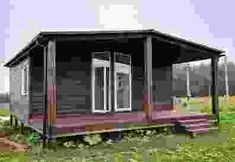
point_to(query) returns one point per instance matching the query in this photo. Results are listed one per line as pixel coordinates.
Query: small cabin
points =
(79, 82)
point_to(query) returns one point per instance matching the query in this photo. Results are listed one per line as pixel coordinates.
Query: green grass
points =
(213, 147)
(14, 157)
(4, 112)
(227, 118)
(178, 148)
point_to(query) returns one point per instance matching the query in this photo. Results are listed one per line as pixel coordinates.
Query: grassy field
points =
(153, 148)
(150, 146)
(4, 112)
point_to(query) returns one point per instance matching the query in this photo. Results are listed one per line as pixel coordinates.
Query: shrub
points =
(70, 144)
(19, 138)
(206, 109)
(93, 139)
(184, 104)
(33, 138)
(6, 128)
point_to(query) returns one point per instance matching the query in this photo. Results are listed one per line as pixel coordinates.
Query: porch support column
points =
(44, 128)
(51, 85)
(214, 86)
(112, 70)
(148, 77)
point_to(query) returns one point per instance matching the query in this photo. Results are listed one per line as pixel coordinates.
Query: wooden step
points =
(203, 130)
(199, 130)
(193, 117)
(198, 125)
(213, 128)
(191, 121)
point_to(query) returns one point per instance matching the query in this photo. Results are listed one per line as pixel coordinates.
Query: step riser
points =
(193, 122)
(199, 132)
(196, 127)
(192, 117)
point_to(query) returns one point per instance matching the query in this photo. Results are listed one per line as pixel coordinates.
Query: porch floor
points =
(77, 124)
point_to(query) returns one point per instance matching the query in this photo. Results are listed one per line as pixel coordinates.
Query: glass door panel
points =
(123, 90)
(122, 81)
(99, 88)
(100, 82)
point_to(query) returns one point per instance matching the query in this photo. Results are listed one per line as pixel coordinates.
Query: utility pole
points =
(187, 68)
(226, 79)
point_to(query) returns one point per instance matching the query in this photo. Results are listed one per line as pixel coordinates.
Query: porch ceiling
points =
(187, 50)
(168, 53)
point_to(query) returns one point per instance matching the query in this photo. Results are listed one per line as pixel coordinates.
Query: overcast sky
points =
(209, 22)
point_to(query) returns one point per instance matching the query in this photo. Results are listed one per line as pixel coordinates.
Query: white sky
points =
(179, 18)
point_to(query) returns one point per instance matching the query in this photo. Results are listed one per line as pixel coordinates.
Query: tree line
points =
(200, 79)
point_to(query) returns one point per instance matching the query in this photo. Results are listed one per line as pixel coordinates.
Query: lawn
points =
(149, 146)
(153, 148)
(4, 112)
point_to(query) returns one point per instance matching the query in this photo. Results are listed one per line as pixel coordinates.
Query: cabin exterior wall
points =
(73, 78)
(19, 103)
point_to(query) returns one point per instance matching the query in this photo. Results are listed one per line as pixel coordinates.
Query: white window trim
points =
(25, 81)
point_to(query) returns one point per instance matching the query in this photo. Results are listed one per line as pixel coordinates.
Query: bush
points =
(93, 139)
(185, 104)
(19, 138)
(6, 128)
(33, 138)
(70, 144)
(206, 109)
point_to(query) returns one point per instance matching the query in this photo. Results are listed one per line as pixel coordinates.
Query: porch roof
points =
(44, 37)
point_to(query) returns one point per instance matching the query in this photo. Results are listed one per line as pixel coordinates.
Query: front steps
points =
(195, 126)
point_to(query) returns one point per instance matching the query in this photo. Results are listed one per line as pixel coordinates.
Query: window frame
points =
(25, 80)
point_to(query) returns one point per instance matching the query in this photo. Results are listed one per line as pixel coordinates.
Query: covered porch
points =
(80, 124)
(152, 56)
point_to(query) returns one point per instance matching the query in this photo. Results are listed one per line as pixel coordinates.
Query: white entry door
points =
(101, 78)
(122, 87)
(122, 82)
(100, 85)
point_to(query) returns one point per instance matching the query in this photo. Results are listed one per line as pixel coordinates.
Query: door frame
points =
(126, 69)
(100, 63)
(107, 63)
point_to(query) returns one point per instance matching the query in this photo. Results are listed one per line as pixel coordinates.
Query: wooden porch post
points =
(44, 129)
(112, 70)
(148, 77)
(51, 85)
(214, 86)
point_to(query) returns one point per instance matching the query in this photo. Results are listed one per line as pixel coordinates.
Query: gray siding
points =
(137, 88)
(73, 73)
(19, 104)
(37, 81)
(73, 79)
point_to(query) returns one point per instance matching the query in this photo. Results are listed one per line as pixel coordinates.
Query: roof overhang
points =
(43, 37)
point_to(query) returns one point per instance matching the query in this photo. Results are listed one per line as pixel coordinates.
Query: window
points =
(25, 80)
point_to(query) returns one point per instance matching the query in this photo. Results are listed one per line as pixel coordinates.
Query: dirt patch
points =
(6, 146)
(9, 146)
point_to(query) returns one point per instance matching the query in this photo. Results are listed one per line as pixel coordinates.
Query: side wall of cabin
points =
(19, 102)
